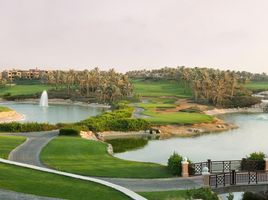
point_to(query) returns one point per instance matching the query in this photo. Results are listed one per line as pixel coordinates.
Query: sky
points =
(134, 34)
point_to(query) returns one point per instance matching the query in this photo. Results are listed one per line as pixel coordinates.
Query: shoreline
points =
(223, 111)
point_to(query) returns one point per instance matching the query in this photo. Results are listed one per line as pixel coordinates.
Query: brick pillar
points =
(266, 165)
(205, 174)
(185, 168)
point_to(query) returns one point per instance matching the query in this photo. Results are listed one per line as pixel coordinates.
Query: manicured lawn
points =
(257, 86)
(160, 88)
(167, 195)
(127, 144)
(80, 156)
(45, 184)
(4, 109)
(162, 118)
(23, 89)
(8, 143)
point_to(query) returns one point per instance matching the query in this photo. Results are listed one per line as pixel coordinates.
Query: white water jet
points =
(44, 99)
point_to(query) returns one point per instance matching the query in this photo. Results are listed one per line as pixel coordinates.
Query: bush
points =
(174, 164)
(72, 130)
(202, 193)
(16, 127)
(241, 101)
(255, 161)
(253, 196)
(118, 120)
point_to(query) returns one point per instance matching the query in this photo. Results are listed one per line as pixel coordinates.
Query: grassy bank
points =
(44, 184)
(122, 145)
(159, 114)
(86, 157)
(159, 88)
(180, 118)
(256, 86)
(4, 109)
(8, 143)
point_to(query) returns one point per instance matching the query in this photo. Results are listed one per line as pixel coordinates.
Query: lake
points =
(54, 113)
(251, 136)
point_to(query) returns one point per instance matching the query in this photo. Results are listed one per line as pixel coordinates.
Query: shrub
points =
(241, 101)
(26, 127)
(72, 130)
(253, 196)
(174, 164)
(118, 120)
(255, 161)
(202, 193)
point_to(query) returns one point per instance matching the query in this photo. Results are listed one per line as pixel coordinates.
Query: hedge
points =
(16, 127)
(118, 120)
(72, 130)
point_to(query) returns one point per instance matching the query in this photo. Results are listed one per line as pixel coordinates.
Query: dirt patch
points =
(194, 130)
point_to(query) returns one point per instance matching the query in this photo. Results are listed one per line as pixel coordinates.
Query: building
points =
(24, 74)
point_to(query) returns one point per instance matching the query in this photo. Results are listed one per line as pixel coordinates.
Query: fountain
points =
(44, 99)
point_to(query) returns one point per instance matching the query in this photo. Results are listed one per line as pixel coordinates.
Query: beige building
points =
(24, 74)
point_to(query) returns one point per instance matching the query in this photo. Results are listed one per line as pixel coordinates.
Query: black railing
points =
(226, 166)
(236, 178)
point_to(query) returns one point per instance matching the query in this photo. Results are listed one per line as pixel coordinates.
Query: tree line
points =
(221, 88)
(106, 86)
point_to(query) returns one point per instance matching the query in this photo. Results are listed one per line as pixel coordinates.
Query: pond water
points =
(54, 113)
(251, 136)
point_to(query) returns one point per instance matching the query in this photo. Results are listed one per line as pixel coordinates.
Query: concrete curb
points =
(125, 191)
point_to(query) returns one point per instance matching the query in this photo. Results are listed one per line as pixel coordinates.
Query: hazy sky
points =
(130, 34)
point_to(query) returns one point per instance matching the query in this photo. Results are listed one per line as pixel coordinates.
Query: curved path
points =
(29, 152)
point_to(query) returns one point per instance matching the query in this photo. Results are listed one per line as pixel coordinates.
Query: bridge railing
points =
(195, 169)
(237, 178)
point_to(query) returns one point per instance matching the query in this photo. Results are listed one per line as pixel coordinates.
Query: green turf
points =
(162, 118)
(160, 88)
(44, 184)
(4, 109)
(23, 89)
(167, 195)
(8, 143)
(257, 85)
(85, 157)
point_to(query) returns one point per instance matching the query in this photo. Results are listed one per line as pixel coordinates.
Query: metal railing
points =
(195, 169)
(237, 178)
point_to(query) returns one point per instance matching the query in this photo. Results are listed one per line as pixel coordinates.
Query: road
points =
(29, 153)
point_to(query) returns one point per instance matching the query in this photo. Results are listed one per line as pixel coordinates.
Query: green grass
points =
(180, 118)
(126, 144)
(167, 195)
(257, 86)
(4, 109)
(80, 156)
(8, 143)
(150, 88)
(23, 89)
(45, 184)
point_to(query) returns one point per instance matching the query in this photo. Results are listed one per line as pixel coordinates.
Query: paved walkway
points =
(29, 153)
(30, 150)
(9, 195)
